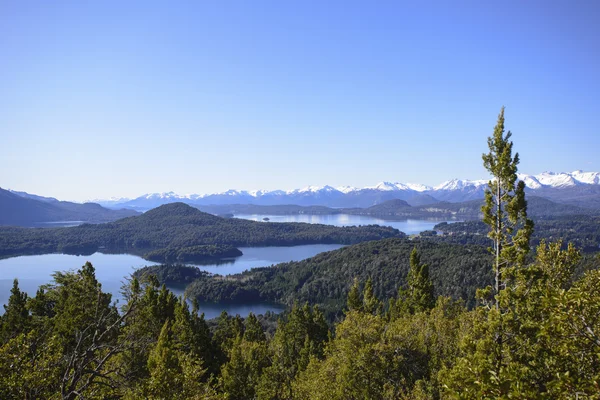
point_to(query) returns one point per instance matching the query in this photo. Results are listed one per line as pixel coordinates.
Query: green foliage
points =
(418, 296)
(505, 208)
(548, 329)
(170, 274)
(175, 231)
(581, 230)
(156, 347)
(326, 279)
(371, 304)
(372, 358)
(297, 340)
(16, 318)
(253, 331)
(355, 301)
(201, 253)
(241, 374)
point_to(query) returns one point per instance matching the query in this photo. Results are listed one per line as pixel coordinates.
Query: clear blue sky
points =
(120, 98)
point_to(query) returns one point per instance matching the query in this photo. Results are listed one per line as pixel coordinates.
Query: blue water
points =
(409, 226)
(112, 269)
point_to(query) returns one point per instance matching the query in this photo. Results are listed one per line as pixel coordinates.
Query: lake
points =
(111, 270)
(409, 226)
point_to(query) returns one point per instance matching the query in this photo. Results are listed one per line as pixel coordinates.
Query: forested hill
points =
(179, 226)
(400, 209)
(537, 207)
(581, 230)
(325, 279)
(23, 211)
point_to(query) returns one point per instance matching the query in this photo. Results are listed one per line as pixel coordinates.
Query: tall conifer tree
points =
(505, 208)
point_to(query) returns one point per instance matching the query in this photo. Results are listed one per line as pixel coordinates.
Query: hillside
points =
(401, 209)
(19, 210)
(581, 230)
(324, 279)
(179, 226)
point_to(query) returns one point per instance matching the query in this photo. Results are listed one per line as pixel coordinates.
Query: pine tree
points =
(417, 295)
(355, 301)
(420, 286)
(253, 331)
(493, 346)
(505, 209)
(371, 304)
(163, 365)
(16, 317)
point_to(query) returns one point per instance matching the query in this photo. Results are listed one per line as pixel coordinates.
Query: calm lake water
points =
(111, 270)
(410, 226)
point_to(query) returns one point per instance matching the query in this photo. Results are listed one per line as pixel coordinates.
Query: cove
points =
(113, 269)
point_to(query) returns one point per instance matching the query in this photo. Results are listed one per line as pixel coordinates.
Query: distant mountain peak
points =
(452, 190)
(459, 184)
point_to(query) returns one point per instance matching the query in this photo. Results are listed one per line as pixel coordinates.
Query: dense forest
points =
(410, 319)
(69, 341)
(456, 270)
(581, 230)
(179, 226)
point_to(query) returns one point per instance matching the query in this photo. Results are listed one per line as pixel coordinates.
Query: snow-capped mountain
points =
(590, 178)
(454, 190)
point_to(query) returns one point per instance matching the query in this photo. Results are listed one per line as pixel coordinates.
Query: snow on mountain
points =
(344, 196)
(312, 189)
(316, 189)
(530, 181)
(418, 187)
(459, 184)
(556, 179)
(389, 186)
(109, 200)
(589, 178)
(346, 189)
(164, 195)
(257, 193)
(384, 186)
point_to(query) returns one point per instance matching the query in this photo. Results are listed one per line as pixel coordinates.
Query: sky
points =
(104, 99)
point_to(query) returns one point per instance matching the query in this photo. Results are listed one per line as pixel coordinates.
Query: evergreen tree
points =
(371, 304)
(505, 208)
(420, 287)
(253, 331)
(163, 365)
(16, 318)
(355, 301)
(417, 296)
(505, 212)
(295, 341)
(241, 374)
(203, 345)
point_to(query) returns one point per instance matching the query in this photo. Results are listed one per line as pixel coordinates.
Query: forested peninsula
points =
(178, 232)
(456, 271)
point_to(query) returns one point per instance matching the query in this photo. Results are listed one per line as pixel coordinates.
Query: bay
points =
(113, 269)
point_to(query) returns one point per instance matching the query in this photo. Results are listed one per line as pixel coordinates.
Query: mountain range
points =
(24, 209)
(577, 187)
